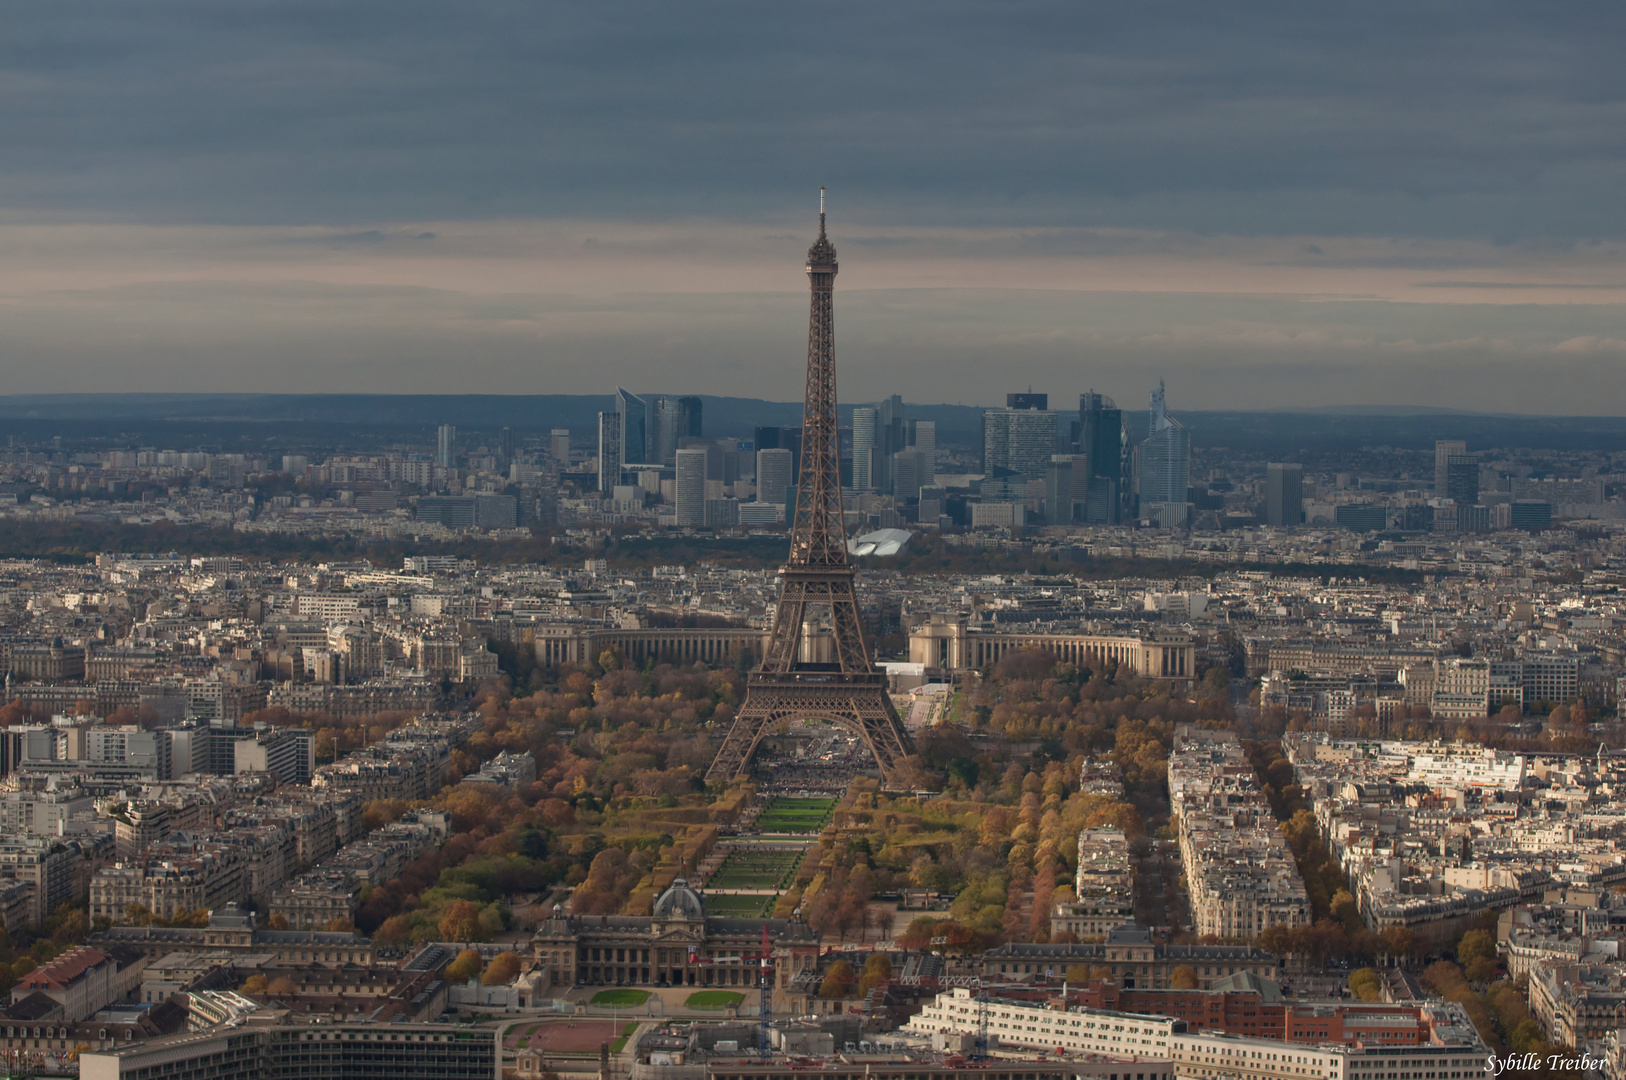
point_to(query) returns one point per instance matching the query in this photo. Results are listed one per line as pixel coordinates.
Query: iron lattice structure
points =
(795, 680)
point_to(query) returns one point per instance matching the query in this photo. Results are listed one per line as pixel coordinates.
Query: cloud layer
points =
(1270, 204)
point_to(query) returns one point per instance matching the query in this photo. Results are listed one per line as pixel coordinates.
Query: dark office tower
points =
(634, 412)
(1284, 494)
(665, 428)
(505, 448)
(1462, 479)
(767, 438)
(609, 452)
(1444, 451)
(889, 437)
(1101, 440)
(1029, 400)
(691, 419)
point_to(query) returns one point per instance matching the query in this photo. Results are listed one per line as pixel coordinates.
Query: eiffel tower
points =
(798, 679)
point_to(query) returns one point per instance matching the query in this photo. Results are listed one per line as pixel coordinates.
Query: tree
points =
(394, 930)
(282, 986)
(465, 967)
(254, 984)
(838, 981)
(338, 926)
(1398, 941)
(461, 922)
(1183, 977)
(1078, 973)
(877, 972)
(277, 921)
(502, 970)
(1476, 945)
(1365, 984)
(72, 928)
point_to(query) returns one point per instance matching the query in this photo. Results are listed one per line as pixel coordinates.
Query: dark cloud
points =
(1496, 119)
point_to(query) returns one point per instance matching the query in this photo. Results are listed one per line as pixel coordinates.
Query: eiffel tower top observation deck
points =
(818, 535)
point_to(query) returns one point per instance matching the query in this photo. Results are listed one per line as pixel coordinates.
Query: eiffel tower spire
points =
(797, 680)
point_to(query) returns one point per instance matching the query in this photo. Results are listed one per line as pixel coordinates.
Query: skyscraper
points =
(914, 466)
(889, 439)
(865, 450)
(1163, 474)
(1100, 440)
(1462, 479)
(1029, 400)
(1067, 486)
(774, 474)
(1021, 440)
(505, 448)
(691, 486)
(921, 436)
(634, 413)
(609, 451)
(446, 446)
(692, 424)
(665, 429)
(1444, 451)
(559, 445)
(1284, 494)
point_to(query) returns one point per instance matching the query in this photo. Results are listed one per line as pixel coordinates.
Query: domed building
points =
(676, 944)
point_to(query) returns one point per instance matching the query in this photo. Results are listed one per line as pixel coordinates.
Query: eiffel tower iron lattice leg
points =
(865, 707)
(818, 582)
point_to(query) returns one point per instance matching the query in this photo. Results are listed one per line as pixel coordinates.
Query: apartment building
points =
(255, 1050)
(1241, 876)
(1453, 1050)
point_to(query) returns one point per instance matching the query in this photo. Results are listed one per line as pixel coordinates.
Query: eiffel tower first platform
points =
(802, 675)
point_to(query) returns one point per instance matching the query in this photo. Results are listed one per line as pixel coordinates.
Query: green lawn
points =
(713, 999)
(745, 869)
(621, 995)
(739, 907)
(795, 815)
(626, 1033)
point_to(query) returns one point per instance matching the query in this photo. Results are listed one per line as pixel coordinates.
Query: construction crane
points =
(979, 1049)
(764, 964)
(764, 961)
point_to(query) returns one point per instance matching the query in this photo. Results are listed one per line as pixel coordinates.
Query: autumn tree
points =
(1183, 977)
(465, 967)
(877, 971)
(1366, 984)
(838, 981)
(502, 970)
(254, 984)
(461, 922)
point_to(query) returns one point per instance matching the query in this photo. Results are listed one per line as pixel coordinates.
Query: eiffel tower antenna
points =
(798, 678)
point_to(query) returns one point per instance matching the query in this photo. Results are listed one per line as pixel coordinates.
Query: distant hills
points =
(342, 419)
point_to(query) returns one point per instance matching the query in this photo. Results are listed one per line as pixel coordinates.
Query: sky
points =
(1265, 205)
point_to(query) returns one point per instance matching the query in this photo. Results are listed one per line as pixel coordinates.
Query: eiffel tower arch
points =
(801, 678)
